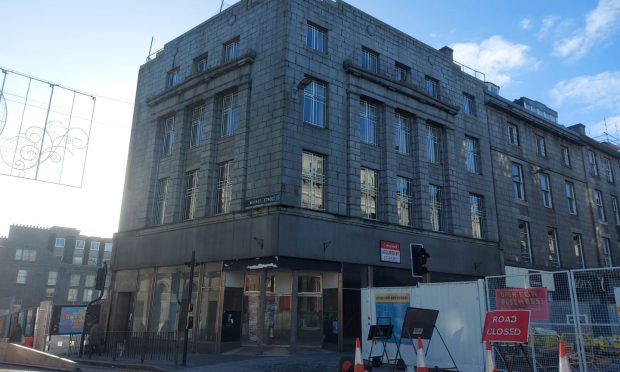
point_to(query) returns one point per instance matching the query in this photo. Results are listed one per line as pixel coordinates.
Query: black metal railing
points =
(155, 346)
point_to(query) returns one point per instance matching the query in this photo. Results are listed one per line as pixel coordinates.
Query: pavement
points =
(238, 360)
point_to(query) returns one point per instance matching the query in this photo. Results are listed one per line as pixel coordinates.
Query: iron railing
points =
(158, 346)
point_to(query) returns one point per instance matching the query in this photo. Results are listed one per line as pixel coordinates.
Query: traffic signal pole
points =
(100, 285)
(192, 263)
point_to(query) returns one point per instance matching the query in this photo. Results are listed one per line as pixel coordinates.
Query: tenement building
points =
(37, 264)
(299, 147)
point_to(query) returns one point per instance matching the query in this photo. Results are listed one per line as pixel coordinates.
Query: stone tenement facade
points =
(300, 147)
(38, 264)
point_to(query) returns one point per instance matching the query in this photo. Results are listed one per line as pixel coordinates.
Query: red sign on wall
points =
(506, 326)
(390, 251)
(532, 299)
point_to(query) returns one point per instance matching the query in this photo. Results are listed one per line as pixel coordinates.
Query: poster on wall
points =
(390, 308)
(532, 299)
(67, 320)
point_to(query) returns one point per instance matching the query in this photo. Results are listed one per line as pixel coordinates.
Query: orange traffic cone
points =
(564, 365)
(421, 363)
(490, 362)
(359, 365)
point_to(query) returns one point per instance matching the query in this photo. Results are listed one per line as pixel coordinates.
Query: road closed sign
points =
(506, 326)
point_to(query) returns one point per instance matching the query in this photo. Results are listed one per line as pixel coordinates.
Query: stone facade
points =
(245, 81)
(36, 252)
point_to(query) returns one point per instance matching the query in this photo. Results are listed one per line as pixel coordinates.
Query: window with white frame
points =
(224, 187)
(477, 216)
(524, 242)
(517, 181)
(90, 280)
(314, 103)
(93, 253)
(541, 146)
(28, 255)
(600, 206)
(404, 198)
(566, 156)
(552, 247)
(368, 122)
(173, 77)
(78, 253)
(606, 252)
(609, 171)
(312, 180)
(469, 104)
(74, 280)
(545, 190)
(431, 86)
(197, 131)
(52, 278)
(161, 201)
(368, 193)
(315, 37)
(201, 63)
(435, 207)
(403, 133)
(72, 295)
(433, 144)
(87, 295)
(231, 50)
(50, 291)
(370, 60)
(578, 248)
(229, 114)
(472, 154)
(59, 247)
(168, 135)
(401, 72)
(593, 166)
(107, 252)
(513, 135)
(190, 194)
(614, 205)
(569, 189)
(22, 276)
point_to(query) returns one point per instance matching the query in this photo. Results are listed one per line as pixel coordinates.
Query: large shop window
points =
(277, 308)
(310, 310)
(210, 293)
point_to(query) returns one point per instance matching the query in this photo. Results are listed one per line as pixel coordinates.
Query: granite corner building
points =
(300, 147)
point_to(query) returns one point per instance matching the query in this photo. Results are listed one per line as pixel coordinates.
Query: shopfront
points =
(300, 306)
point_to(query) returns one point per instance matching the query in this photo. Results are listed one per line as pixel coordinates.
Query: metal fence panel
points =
(580, 307)
(595, 296)
(548, 297)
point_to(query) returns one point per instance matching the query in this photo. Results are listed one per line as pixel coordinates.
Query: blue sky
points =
(562, 53)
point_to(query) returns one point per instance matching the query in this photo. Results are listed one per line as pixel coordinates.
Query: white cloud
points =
(547, 26)
(600, 91)
(496, 57)
(601, 22)
(525, 23)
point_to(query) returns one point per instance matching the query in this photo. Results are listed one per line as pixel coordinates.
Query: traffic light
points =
(419, 258)
(100, 280)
